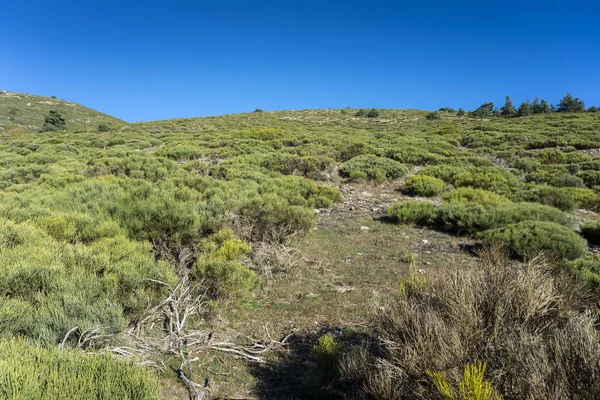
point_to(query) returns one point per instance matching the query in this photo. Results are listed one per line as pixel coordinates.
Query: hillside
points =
(26, 111)
(303, 254)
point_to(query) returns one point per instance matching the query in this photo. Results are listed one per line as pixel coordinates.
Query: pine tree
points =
(54, 121)
(508, 110)
(571, 104)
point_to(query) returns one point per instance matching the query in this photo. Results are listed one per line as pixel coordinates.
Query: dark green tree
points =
(54, 121)
(508, 110)
(525, 109)
(460, 112)
(571, 104)
(485, 110)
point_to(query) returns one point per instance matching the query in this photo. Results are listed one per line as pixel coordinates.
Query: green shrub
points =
(555, 197)
(443, 172)
(372, 113)
(588, 268)
(412, 212)
(219, 267)
(591, 178)
(591, 231)
(372, 168)
(479, 196)
(30, 371)
(423, 185)
(328, 353)
(348, 151)
(433, 115)
(103, 128)
(585, 198)
(411, 155)
(528, 239)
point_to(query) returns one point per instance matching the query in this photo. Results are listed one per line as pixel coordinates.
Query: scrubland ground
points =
(287, 254)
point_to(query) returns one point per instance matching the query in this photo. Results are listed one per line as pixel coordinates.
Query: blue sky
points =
(148, 60)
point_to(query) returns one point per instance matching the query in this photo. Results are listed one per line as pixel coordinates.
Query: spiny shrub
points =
(103, 128)
(107, 283)
(585, 198)
(372, 168)
(591, 231)
(443, 172)
(479, 196)
(265, 133)
(588, 268)
(412, 212)
(423, 185)
(219, 266)
(524, 321)
(348, 151)
(411, 155)
(29, 371)
(555, 197)
(469, 218)
(590, 178)
(527, 239)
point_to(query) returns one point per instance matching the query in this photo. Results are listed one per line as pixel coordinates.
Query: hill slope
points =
(28, 111)
(283, 236)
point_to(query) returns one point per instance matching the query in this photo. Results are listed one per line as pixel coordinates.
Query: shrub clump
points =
(523, 322)
(591, 231)
(423, 185)
(468, 218)
(412, 212)
(30, 371)
(528, 239)
(479, 196)
(372, 168)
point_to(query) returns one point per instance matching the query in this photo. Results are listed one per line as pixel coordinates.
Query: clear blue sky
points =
(148, 60)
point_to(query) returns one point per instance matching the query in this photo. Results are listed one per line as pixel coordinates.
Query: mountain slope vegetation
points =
(25, 113)
(279, 254)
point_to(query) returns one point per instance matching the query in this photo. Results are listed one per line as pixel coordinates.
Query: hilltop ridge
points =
(26, 112)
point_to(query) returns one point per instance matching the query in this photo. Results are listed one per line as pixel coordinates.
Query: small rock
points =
(427, 263)
(421, 271)
(364, 228)
(317, 211)
(425, 241)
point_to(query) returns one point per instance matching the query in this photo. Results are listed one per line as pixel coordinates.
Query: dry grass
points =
(530, 323)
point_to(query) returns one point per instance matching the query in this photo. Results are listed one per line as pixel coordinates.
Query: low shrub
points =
(591, 231)
(218, 266)
(423, 185)
(467, 218)
(555, 197)
(588, 269)
(479, 196)
(528, 239)
(372, 168)
(348, 151)
(412, 212)
(590, 178)
(29, 371)
(433, 116)
(524, 323)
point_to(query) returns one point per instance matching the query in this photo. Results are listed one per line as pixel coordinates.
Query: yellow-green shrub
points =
(30, 371)
(423, 185)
